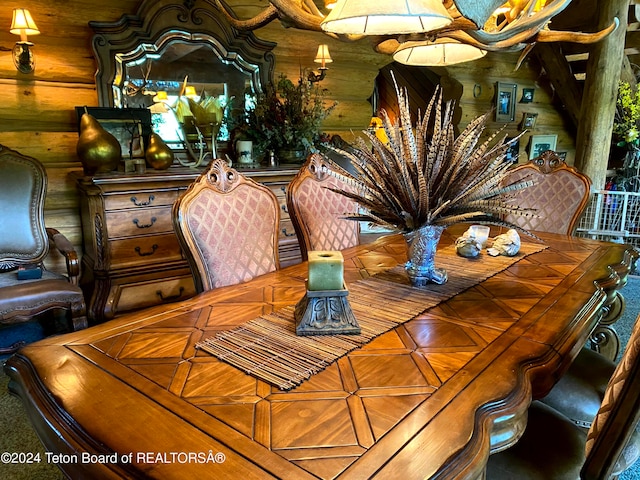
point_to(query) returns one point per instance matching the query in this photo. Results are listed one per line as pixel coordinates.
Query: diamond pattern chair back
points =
(227, 225)
(316, 212)
(559, 196)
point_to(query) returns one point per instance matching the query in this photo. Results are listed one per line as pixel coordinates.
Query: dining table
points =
(431, 395)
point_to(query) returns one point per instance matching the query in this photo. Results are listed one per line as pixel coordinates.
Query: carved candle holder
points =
(325, 312)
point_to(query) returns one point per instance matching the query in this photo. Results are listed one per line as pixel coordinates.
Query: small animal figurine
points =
(506, 244)
(467, 246)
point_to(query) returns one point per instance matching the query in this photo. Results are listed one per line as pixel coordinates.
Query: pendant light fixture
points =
(441, 52)
(387, 17)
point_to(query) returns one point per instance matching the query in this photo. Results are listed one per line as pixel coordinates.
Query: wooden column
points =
(599, 99)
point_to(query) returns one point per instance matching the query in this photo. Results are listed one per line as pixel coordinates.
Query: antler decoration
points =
(521, 24)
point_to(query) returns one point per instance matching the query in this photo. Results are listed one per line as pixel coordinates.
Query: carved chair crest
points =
(549, 161)
(317, 167)
(221, 176)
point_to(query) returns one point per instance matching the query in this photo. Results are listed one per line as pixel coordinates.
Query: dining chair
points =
(554, 447)
(227, 225)
(580, 390)
(317, 212)
(559, 195)
(27, 288)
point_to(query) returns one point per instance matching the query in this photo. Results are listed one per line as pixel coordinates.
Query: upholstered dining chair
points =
(27, 288)
(227, 225)
(559, 195)
(554, 447)
(317, 212)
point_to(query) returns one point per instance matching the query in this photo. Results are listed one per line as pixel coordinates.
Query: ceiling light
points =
(371, 17)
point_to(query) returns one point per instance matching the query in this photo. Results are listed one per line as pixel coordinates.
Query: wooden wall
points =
(37, 111)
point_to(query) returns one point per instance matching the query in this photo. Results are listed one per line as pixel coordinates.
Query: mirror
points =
(168, 42)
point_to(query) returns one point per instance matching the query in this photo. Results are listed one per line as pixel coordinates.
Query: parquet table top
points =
(428, 399)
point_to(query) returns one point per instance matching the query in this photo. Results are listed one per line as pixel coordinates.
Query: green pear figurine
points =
(99, 151)
(158, 155)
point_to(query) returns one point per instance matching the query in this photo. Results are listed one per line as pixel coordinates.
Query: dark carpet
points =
(16, 434)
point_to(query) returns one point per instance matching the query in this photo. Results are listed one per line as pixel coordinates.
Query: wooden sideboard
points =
(131, 255)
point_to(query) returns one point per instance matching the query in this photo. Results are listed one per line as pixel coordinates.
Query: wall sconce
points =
(322, 57)
(23, 25)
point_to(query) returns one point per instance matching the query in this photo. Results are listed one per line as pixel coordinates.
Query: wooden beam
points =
(559, 73)
(593, 141)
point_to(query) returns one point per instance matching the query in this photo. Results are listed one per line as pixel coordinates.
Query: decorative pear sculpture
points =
(99, 151)
(158, 155)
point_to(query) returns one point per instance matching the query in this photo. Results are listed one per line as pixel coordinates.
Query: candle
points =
(326, 270)
(480, 233)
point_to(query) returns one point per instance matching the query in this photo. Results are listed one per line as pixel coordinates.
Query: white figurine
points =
(506, 244)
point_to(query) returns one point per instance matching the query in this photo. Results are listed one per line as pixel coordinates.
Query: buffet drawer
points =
(133, 223)
(132, 296)
(144, 250)
(286, 230)
(141, 199)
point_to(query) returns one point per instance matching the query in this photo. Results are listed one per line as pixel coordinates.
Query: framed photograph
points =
(527, 95)
(506, 102)
(542, 143)
(514, 151)
(131, 126)
(528, 120)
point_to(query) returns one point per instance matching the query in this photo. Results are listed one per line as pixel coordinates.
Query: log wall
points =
(37, 114)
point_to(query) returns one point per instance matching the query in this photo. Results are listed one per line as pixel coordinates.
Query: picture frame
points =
(506, 102)
(130, 126)
(542, 143)
(527, 95)
(528, 120)
(514, 150)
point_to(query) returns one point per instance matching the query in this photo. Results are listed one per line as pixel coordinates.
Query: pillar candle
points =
(326, 270)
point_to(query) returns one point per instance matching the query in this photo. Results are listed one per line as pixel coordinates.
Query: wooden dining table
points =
(431, 398)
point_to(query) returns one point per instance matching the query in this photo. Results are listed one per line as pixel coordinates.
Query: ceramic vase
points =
(244, 151)
(296, 156)
(420, 267)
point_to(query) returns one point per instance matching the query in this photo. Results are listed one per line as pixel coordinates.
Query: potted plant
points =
(420, 182)
(286, 119)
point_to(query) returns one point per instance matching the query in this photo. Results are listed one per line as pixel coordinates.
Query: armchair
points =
(24, 244)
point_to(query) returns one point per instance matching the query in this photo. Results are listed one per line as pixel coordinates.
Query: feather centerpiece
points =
(429, 177)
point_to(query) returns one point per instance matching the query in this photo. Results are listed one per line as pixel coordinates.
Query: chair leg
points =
(79, 316)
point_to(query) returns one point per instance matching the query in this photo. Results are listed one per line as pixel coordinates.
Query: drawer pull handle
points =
(146, 225)
(143, 204)
(154, 247)
(284, 208)
(170, 298)
(284, 231)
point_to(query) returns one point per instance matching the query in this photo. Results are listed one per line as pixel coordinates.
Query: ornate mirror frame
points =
(158, 23)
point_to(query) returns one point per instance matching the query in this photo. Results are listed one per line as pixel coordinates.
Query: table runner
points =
(269, 349)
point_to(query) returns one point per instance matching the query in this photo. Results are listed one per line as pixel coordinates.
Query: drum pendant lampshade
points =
(386, 17)
(436, 53)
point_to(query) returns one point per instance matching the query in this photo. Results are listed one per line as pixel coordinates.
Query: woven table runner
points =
(269, 349)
